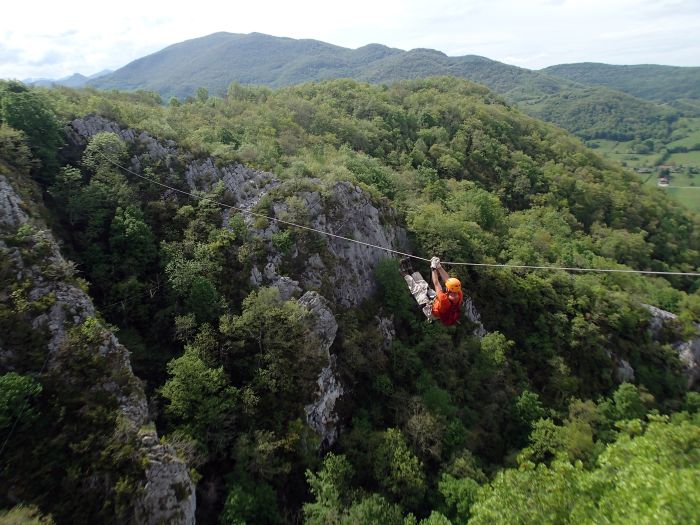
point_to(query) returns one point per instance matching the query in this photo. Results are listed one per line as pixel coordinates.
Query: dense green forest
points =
(530, 423)
(580, 105)
(676, 86)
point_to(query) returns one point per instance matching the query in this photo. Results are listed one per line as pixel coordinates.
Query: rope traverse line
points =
(390, 250)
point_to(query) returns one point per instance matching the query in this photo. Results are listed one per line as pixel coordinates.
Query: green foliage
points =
(371, 172)
(392, 289)
(202, 398)
(398, 470)
(652, 82)
(628, 402)
(15, 150)
(517, 495)
(250, 504)
(268, 346)
(602, 100)
(131, 241)
(373, 509)
(92, 449)
(545, 441)
(30, 111)
(104, 150)
(636, 479)
(471, 180)
(330, 488)
(459, 495)
(16, 395)
(528, 408)
(496, 347)
(625, 117)
(23, 515)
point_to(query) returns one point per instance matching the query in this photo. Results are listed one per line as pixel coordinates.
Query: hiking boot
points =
(405, 266)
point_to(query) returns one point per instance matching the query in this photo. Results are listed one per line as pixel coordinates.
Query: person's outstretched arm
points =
(435, 271)
(443, 274)
(436, 280)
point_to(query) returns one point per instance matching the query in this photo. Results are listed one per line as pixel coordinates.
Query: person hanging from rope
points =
(444, 305)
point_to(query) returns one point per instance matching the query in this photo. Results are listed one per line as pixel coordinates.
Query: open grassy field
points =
(688, 133)
(683, 180)
(622, 153)
(687, 197)
(691, 158)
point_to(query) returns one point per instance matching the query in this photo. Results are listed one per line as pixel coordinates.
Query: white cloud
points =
(55, 39)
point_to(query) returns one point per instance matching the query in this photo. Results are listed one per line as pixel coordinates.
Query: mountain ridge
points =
(217, 60)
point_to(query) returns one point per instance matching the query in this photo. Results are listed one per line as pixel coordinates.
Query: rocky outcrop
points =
(473, 315)
(244, 186)
(342, 269)
(659, 320)
(689, 354)
(386, 328)
(324, 323)
(688, 351)
(169, 496)
(11, 213)
(355, 216)
(624, 372)
(44, 276)
(321, 414)
(339, 269)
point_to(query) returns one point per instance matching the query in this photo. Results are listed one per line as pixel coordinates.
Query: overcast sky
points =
(55, 39)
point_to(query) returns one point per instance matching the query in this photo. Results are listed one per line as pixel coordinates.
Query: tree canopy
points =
(532, 422)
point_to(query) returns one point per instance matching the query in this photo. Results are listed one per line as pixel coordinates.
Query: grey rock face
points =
(658, 319)
(246, 186)
(168, 491)
(688, 351)
(11, 212)
(473, 315)
(689, 354)
(170, 496)
(325, 325)
(320, 414)
(81, 129)
(624, 372)
(386, 328)
(339, 209)
(344, 210)
(357, 218)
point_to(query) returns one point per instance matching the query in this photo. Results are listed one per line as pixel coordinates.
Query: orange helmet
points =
(453, 285)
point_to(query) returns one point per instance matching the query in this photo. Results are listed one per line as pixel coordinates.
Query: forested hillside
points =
(676, 86)
(214, 61)
(562, 397)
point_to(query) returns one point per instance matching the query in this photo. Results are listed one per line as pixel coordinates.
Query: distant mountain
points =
(678, 86)
(216, 60)
(588, 111)
(75, 80)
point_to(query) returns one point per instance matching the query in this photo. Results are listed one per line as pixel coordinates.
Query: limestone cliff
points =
(40, 284)
(688, 350)
(338, 272)
(321, 414)
(341, 270)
